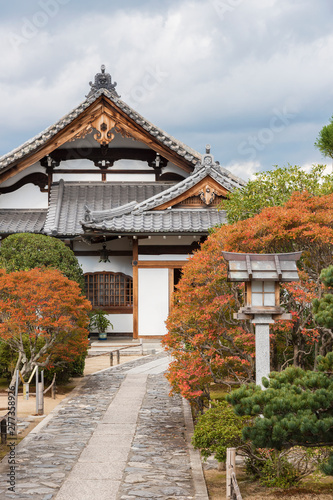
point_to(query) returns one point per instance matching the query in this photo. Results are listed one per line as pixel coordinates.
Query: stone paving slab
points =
(153, 367)
(89, 490)
(120, 436)
(109, 451)
(159, 465)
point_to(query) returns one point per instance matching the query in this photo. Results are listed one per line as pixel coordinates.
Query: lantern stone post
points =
(262, 274)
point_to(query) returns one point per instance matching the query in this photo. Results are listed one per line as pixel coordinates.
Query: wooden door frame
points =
(158, 264)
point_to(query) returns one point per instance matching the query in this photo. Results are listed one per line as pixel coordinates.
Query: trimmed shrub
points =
(218, 429)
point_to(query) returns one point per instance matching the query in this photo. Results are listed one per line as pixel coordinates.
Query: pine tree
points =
(323, 308)
(295, 409)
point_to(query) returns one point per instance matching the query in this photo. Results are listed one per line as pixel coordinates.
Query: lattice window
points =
(195, 201)
(109, 290)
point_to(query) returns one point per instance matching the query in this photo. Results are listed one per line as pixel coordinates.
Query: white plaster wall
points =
(36, 167)
(122, 323)
(116, 265)
(119, 165)
(124, 177)
(163, 257)
(171, 167)
(153, 301)
(28, 196)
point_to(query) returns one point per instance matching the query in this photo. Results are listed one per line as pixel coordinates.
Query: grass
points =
(310, 488)
(218, 392)
(4, 448)
(4, 382)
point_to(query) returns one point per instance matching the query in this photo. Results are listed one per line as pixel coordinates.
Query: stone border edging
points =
(200, 487)
(121, 364)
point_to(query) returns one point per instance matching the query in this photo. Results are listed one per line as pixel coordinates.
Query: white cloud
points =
(245, 170)
(199, 75)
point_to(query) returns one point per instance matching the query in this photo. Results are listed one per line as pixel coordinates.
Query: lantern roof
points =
(262, 267)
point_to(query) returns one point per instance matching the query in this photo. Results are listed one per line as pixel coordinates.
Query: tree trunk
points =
(295, 362)
(17, 367)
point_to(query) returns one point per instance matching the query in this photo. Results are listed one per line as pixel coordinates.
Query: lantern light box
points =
(262, 274)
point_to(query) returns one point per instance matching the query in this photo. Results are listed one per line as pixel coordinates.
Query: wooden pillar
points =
(135, 288)
(230, 467)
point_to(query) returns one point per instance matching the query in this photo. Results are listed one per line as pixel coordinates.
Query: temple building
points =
(130, 200)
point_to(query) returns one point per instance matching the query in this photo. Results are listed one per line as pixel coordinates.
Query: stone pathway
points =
(119, 436)
(158, 463)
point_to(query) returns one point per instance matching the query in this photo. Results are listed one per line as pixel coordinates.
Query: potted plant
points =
(100, 322)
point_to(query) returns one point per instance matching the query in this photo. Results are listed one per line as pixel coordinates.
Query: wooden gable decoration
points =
(207, 193)
(104, 117)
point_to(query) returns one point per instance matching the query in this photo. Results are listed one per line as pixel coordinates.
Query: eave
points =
(102, 108)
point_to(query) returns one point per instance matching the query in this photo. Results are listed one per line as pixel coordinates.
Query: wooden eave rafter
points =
(102, 107)
(195, 191)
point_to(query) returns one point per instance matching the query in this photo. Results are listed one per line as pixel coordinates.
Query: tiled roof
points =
(221, 175)
(141, 217)
(164, 221)
(22, 221)
(68, 201)
(41, 139)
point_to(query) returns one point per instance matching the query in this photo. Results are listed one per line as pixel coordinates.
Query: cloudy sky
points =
(254, 78)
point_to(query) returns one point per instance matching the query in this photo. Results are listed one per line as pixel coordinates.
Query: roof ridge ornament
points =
(103, 81)
(207, 161)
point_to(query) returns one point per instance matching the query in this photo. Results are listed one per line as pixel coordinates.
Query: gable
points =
(103, 115)
(164, 213)
(208, 192)
(89, 140)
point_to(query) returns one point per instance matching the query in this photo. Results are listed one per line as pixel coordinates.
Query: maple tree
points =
(207, 344)
(304, 223)
(43, 318)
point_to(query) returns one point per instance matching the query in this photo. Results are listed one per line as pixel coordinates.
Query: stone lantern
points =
(262, 274)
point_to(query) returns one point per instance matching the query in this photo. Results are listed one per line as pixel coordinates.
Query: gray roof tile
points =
(144, 218)
(164, 221)
(40, 139)
(98, 196)
(222, 176)
(22, 221)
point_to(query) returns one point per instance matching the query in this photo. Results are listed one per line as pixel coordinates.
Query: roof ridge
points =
(42, 137)
(206, 167)
(100, 215)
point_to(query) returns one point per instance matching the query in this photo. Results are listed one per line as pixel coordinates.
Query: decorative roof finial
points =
(207, 160)
(103, 81)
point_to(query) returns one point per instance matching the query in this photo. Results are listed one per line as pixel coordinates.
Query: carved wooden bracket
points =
(82, 134)
(207, 195)
(103, 124)
(123, 132)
